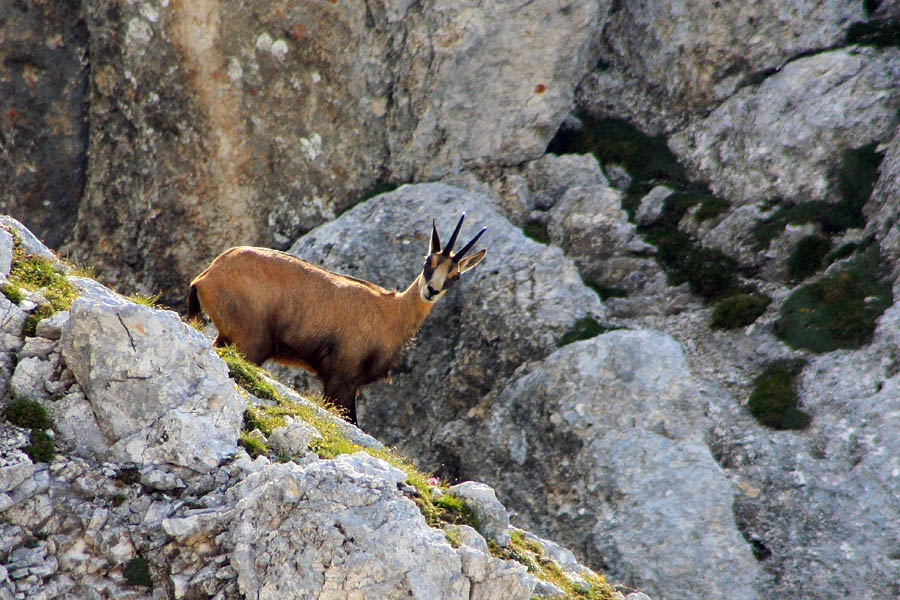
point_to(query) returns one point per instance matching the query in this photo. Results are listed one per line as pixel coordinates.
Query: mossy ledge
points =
(773, 401)
(839, 310)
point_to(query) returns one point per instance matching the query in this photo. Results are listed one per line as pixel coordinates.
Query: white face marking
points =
(438, 275)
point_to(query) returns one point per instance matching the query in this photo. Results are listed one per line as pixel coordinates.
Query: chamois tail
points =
(193, 303)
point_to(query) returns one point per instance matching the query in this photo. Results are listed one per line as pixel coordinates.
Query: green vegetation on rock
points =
(739, 310)
(32, 415)
(837, 311)
(137, 572)
(807, 256)
(537, 231)
(773, 401)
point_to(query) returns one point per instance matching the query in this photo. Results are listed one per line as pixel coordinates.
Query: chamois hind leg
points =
(343, 394)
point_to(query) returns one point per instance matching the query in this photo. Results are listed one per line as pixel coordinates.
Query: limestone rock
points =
(550, 176)
(234, 124)
(601, 445)
(662, 63)
(44, 98)
(158, 392)
(492, 516)
(783, 138)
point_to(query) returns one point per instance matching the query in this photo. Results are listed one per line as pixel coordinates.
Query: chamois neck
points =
(415, 309)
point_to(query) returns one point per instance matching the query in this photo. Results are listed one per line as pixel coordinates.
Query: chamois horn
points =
(449, 246)
(435, 239)
(468, 246)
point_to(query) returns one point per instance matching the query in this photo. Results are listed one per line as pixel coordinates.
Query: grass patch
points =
(137, 572)
(739, 310)
(152, 300)
(807, 257)
(531, 554)
(537, 231)
(584, 328)
(838, 311)
(27, 414)
(30, 414)
(246, 374)
(34, 273)
(614, 140)
(773, 401)
(40, 447)
(709, 273)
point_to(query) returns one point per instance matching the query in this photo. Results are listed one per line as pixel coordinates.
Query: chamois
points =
(348, 331)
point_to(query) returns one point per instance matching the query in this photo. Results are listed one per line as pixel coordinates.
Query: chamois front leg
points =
(343, 394)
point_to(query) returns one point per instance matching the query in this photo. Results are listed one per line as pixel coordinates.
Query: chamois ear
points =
(435, 240)
(470, 261)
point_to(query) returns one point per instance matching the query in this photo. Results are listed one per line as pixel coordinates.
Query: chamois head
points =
(443, 267)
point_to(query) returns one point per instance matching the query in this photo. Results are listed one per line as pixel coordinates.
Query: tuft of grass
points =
(739, 310)
(152, 300)
(40, 447)
(584, 328)
(253, 445)
(32, 415)
(246, 374)
(27, 413)
(773, 401)
(709, 273)
(807, 257)
(537, 231)
(35, 273)
(531, 554)
(838, 311)
(137, 572)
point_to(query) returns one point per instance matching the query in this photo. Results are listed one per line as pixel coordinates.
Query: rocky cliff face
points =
(682, 340)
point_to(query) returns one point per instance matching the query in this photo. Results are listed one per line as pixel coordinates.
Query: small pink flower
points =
(434, 481)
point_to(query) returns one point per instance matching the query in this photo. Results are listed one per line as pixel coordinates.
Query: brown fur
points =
(273, 305)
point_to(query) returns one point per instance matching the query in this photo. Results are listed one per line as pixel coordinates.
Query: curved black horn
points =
(435, 240)
(468, 246)
(452, 240)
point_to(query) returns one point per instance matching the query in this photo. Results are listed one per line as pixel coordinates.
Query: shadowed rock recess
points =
(679, 357)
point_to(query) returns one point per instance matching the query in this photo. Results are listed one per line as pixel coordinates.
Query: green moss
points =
(27, 413)
(773, 401)
(739, 310)
(584, 328)
(709, 273)
(531, 554)
(838, 311)
(807, 256)
(880, 34)
(246, 374)
(41, 447)
(34, 273)
(536, 231)
(613, 140)
(710, 208)
(137, 572)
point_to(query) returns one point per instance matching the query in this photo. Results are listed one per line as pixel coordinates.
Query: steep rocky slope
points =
(121, 475)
